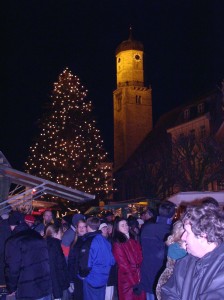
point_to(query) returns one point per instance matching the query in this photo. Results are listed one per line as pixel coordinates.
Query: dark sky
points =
(184, 55)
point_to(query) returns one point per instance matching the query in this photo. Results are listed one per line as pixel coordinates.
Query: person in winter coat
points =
(5, 233)
(154, 249)
(199, 275)
(69, 235)
(176, 250)
(76, 284)
(112, 280)
(58, 266)
(27, 269)
(95, 261)
(128, 255)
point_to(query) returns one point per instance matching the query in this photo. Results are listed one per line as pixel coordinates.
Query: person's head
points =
(104, 229)
(109, 216)
(47, 217)
(29, 220)
(120, 230)
(210, 203)
(15, 219)
(92, 224)
(140, 223)
(76, 218)
(110, 228)
(167, 209)
(203, 230)
(54, 230)
(147, 214)
(81, 228)
(177, 232)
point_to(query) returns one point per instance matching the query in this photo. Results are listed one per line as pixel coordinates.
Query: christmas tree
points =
(69, 149)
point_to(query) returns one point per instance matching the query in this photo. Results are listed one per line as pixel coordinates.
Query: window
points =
(138, 99)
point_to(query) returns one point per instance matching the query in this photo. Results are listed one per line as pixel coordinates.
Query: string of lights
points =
(70, 149)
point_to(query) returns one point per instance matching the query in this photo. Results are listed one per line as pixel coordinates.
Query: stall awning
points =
(185, 198)
(36, 187)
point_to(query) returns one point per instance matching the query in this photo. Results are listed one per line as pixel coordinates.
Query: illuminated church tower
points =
(132, 101)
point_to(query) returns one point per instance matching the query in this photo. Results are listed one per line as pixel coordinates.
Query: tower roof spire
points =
(130, 33)
(130, 44)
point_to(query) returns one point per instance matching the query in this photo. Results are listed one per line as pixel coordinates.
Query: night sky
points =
(184, 56)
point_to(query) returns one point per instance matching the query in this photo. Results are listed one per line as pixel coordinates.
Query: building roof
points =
(130, 44)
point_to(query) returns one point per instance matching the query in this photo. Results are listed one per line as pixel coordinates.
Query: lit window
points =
(138, 99)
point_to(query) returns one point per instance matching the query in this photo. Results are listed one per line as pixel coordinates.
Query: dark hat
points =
(29, 219)
(108, 214)
(76, 218)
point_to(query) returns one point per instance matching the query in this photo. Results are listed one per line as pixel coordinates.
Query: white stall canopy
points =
(186, 198)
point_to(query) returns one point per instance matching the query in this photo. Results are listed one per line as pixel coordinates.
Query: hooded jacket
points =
(197, 278)
(95, 259)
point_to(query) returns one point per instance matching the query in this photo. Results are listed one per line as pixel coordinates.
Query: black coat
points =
(73, 267)
(154, 252)
(27, 264)
(58, 267)
(5, 233)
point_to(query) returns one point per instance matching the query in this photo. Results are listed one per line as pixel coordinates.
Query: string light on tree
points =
(69, 149)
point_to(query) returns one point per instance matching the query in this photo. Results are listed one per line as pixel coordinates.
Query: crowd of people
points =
(152, 257)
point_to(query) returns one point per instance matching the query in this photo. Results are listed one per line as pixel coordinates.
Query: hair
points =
(206, 222)
(51, 229)
(76, 235)
(177, 231)
(210, 203)
(93, 223)
(167, 209)
(118, 236)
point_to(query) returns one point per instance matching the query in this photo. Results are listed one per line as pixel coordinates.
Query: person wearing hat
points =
(103, 227)
(95, 261)
(29, 220)
(27, 271)
(109, 217)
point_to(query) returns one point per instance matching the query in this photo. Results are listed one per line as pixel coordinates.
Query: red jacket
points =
(128, 256)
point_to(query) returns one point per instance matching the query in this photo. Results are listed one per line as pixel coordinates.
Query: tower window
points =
(118, 60)
(138, 99)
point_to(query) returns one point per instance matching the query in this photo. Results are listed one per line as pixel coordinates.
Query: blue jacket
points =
(100, 259)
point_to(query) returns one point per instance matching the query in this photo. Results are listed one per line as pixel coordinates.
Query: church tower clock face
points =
(137, 57)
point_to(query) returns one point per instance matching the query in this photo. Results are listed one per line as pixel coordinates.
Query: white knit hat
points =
(102, 226)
